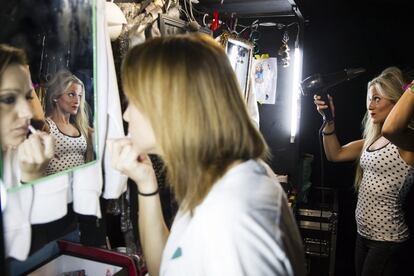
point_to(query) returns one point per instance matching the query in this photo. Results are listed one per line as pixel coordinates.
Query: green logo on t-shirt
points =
(178, 252)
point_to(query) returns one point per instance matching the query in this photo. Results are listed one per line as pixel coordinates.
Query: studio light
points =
(295, 100)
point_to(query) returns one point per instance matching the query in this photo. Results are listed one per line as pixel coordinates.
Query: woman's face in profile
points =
(69, 101)
(378, 106)
(15, 110)
(140, 130)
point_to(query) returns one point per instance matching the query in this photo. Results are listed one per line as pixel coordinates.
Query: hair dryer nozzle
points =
(354, 72)
(318, 83)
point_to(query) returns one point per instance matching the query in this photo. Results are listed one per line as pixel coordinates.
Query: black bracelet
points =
(149, 194)
(328, 133)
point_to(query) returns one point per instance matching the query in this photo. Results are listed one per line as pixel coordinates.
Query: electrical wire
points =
(186, 10)
(191, 10)
(322, 187)
(245, 27)
(185, 13)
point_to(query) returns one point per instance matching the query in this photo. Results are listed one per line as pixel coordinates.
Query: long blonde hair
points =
(186, 87)
(389, 85)
(61, 81)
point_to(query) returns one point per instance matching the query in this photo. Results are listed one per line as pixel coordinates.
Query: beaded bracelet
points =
(149, 194)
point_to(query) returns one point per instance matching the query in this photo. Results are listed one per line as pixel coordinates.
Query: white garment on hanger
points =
(50, 199)
(114, 19)
(88, 181)
(40, 203)
(252, 107)
(16, 215)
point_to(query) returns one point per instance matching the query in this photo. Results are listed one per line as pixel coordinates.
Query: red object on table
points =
(100, 255)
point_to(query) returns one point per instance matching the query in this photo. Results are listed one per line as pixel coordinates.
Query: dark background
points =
(349, 34)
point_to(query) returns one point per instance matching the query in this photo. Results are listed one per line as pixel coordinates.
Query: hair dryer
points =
(319, 84)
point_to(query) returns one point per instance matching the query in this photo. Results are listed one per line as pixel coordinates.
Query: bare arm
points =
(337, 153)
(396, 128)
(333, 149)
(152, 227)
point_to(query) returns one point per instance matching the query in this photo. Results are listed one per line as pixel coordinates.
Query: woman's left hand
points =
(34, 155)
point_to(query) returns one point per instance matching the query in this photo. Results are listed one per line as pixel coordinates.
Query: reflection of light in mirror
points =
(239, 54)
(294, 114)
(64, 20)
(3, 196)
(233, 54)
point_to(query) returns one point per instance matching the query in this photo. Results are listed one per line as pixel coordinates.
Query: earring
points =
(55, 100)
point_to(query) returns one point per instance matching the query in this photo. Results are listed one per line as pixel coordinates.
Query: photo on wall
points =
(56, 94)
(264, 73)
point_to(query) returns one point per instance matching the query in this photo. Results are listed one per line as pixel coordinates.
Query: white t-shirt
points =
(16, 215)
(243, 227)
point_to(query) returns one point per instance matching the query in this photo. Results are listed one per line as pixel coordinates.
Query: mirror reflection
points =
(67, 113)
(47, 102)
(33, 153)
(239, 52)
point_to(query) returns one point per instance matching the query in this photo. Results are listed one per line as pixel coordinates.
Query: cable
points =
(186, 10)
(191, 10)
(185, 13)
(322, 187)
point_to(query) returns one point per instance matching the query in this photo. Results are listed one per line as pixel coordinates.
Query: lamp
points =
(295, 100)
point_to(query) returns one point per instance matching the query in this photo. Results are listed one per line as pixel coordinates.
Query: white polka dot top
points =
(384, 186)
(70, 151)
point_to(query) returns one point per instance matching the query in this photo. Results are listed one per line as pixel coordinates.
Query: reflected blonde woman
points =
(67, 116)
(16, 96)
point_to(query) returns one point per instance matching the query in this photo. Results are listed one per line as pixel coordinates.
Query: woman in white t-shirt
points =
(233, 219)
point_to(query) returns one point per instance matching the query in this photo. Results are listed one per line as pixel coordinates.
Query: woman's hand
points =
(34, 155)
(136, 166)
(321, 105)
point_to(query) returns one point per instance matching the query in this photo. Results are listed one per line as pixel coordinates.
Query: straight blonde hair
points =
(389, 85)
(187, 88)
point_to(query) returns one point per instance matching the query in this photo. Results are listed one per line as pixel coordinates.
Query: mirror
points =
(239, 52)
(58, 38)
